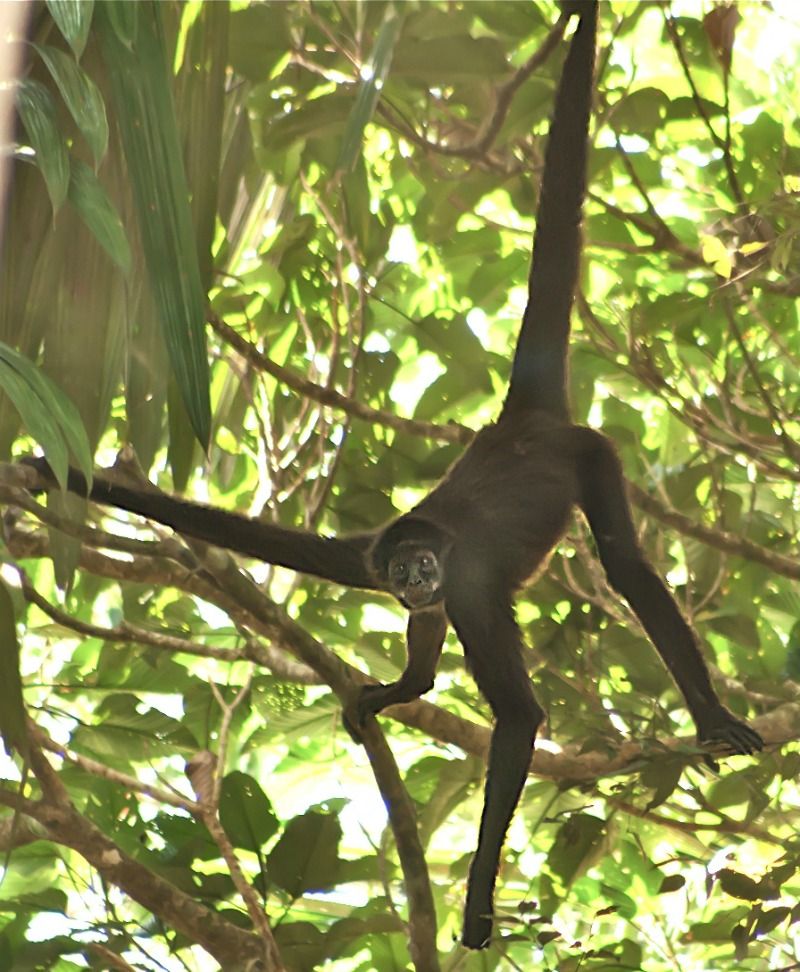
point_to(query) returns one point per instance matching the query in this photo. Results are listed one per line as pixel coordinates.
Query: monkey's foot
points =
(720, 727)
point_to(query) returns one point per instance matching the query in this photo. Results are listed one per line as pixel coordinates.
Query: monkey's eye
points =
(398, 569)
(426, 563)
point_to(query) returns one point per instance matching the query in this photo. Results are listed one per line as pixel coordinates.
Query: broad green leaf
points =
(739, 885)
(81, 96)
(259, 37)
(641, 111)
(306, 856)
(245, 812)
(74, 18)
(141, 84)
(12, 706)
(91, 200)
(576, 839)
(38, 114)
(321, 118)
(52, 407)
(450, 60)
(124, 20)
(72, 428)
(37, 418)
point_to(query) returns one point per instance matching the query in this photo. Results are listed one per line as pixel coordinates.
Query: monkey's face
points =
(415, 576)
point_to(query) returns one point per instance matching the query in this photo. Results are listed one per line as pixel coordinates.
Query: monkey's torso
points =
(485, 499)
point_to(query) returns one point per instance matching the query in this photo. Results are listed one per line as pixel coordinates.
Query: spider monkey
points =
(460, 555)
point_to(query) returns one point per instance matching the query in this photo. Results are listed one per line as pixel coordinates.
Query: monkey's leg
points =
(604, 501)
(492, 646)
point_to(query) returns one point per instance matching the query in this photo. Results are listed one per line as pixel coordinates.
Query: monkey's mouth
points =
(417, 597)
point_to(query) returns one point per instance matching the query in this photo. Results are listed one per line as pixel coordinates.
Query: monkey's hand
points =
(720, 728)
(369, 701)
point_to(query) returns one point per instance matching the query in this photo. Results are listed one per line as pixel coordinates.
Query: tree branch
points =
(232, 947)
(329, 396)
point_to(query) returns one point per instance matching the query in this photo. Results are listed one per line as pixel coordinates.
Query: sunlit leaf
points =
(143, 100)
(374, 74)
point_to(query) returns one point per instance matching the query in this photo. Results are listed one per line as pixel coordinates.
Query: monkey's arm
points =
(629, 572)
(343, 560)
(483, 617)
(425, 637)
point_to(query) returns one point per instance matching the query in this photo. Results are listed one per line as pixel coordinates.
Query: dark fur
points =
(496, 516)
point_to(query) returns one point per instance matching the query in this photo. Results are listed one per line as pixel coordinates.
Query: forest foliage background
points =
(299, 233)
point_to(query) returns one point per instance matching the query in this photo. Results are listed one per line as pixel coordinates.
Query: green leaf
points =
(81, 96)
(376, 69)
(73, 430)
(124, 21)
(323, 117)
(50, 411)
(12, 707)
(91, 200)
(259, 38)
(640, 112)
(672, 882)
(306, 856)
(738, 628)
(769, 920)
(73, 18)
(142, 90)
(201, 110)
(38, 114)
(245, 812)
(37, 418)
(449, 60)
(576, 839)
(740, 885)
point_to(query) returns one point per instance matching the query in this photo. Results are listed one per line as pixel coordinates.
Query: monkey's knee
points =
(534, 714)
(524, 718)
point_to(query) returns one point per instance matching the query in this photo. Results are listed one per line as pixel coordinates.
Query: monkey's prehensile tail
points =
(539, 370)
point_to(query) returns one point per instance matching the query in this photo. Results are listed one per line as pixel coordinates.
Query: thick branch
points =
(403, 821)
